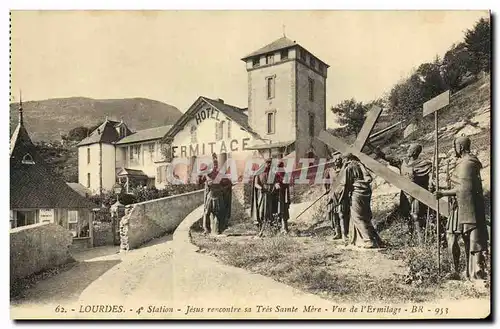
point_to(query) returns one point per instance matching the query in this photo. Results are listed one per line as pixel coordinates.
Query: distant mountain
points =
(47, 119)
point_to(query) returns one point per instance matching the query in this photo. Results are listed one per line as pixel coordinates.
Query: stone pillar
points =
(117, 211)
(124, 226)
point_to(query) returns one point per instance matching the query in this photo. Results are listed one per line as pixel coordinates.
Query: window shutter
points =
(164, 173)
(158, 174)
(217, 131)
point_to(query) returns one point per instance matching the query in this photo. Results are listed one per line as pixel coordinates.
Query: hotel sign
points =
(208, 113)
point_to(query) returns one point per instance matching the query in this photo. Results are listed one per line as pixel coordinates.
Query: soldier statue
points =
(418, 171)
(467, 216)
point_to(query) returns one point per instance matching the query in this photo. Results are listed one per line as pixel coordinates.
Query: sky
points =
(176, 56)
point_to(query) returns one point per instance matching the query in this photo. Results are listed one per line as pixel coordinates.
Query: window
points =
(27, 159)
(25, 217)
(134, 153)
(313, 62)
(270, 87)
(193, 134)
(270, 59)
(311, 89)
(88, 180)
(256, 62)
(229, 129)
(152, 152)
(73, 222)
(88, 155)
(271, 121)
(311, 125)
(219, 130)
(302, 55)
(284, 54)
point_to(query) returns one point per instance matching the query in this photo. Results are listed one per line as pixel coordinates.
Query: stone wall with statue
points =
(36, 248)
(152, 219)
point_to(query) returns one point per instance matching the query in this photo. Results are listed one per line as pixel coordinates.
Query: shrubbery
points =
(144, 194)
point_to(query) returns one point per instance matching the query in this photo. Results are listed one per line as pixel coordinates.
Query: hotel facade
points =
(286, 111)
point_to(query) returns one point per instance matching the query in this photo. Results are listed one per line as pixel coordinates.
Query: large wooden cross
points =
(376, 167)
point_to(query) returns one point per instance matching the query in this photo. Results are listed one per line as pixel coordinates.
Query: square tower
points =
(287, 96)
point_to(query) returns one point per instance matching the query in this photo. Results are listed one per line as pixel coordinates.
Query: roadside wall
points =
(155, 218)
(38, 247)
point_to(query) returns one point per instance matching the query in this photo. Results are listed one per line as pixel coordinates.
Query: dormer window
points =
(28, 159)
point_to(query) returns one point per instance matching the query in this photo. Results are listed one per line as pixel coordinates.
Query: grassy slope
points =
(309, 260)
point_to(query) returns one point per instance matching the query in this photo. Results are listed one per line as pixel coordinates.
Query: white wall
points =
(206, 142)
(283, 101)
(108, 166)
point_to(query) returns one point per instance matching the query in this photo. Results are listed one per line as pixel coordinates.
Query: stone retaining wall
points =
(39, 247)
(151, 219)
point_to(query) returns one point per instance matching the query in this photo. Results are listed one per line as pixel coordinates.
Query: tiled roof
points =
(105, 133)
(80, 189)
(145, 135)
(279, 44)
(35, 185)
(234, 113)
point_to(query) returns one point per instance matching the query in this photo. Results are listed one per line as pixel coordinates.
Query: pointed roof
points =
(232, 112)
(105, 133)
(145, 135)
(281, 43)
(33, 185)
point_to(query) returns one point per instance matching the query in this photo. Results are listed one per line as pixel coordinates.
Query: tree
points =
(456, 63)
(78, 133)
(478, 42)
(406, 99)
(431, 82)
(351, 115)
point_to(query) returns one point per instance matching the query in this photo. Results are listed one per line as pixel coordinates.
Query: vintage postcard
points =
(250, 164)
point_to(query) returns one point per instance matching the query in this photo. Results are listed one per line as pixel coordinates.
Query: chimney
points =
(220, 100)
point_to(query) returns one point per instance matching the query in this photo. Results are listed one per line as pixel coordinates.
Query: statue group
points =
(270, 200)
(349, 200)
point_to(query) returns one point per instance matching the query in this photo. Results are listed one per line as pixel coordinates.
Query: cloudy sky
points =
(175, 57)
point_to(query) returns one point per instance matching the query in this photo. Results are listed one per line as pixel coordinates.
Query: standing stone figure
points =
(337, 210)
(354, 185)
(467, 217)
(213, 207)
(267, 197)
(227, 193)
(283, 199)
(418, 171)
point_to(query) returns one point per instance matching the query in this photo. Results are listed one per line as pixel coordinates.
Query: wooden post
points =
(429, 107)
(438, 222)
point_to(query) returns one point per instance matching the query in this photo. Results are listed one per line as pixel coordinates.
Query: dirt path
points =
(106, 272)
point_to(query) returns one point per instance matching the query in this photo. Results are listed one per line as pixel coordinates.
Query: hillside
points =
(47, 119)
(469, 113)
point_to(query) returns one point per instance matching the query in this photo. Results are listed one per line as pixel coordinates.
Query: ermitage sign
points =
(198, 149)
(254, 166)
